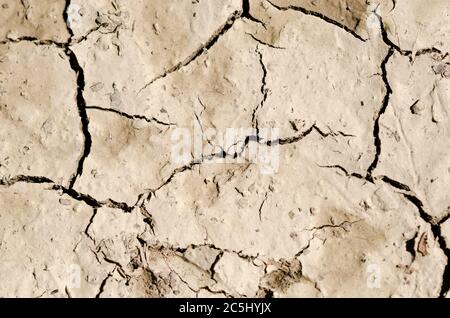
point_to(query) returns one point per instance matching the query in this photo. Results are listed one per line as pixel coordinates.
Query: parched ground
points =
(93, 202)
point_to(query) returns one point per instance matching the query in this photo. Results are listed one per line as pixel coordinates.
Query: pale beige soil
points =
(92, 203)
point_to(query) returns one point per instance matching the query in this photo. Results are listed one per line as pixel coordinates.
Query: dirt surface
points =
(115, 179)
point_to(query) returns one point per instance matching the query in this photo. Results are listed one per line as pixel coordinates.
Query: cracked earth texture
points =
(92, 206)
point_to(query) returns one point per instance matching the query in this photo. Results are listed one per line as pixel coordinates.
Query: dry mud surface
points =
(93, 203)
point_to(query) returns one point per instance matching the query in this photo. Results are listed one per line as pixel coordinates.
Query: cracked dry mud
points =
(92, 204)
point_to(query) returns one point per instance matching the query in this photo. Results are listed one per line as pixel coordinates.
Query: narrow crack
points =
(218, 292)
(61, 45)
(307, 246)
(78, 196)
(26, 8)
(91, 220)
(67, 291)
(213, 265)
(311, 129)
(182, 279)
(81, 103)
(97, 28)
(261, 206)
(110, 203)
(172, 175)
(320, 16)
(342, 169)
(25, 179)
(386, 99)
(132, 117)
(395, 184)
(102, 285)
(294, 139)
(264, 43)
(199, 51)
(264, 92)
(35, 41)
(333, 226)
